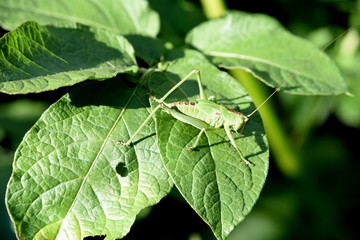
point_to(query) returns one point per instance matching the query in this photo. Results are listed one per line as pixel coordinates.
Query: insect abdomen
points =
(190, 109)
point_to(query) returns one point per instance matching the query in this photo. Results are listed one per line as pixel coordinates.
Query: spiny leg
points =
(201, 90)
(232, 140)
(161, 101)
(127, 143)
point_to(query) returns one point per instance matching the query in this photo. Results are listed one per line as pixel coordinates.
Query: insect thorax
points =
(232, 118)
(213, 114)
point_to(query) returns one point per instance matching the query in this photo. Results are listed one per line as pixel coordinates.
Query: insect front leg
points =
(198, 77)
(201, 90)
(232, 140)
(162, 103)
(196, 143)
(128, 142)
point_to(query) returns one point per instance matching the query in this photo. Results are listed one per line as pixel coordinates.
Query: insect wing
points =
(208, 107)
(186, 119)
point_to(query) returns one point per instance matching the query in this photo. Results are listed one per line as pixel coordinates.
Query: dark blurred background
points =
(321, 202)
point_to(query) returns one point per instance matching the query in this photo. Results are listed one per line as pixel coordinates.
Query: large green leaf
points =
(213, 179)
(36, 58)
(119, 16)
(260, 45)
(71, 180)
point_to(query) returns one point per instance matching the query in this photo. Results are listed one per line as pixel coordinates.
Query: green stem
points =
(283, 152)
(213, 8)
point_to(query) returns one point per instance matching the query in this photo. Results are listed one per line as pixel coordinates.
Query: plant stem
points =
(283, 152)
(213, 8)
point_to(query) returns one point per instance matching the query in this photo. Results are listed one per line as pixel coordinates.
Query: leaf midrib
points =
(100, 151)
(246, 57)
(218, 186)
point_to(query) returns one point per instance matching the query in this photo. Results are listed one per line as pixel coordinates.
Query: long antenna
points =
(297, 72)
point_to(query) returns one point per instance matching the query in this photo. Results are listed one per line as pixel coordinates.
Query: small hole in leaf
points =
(96, 237)
(121, 169)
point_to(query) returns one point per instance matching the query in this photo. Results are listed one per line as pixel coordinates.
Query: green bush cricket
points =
(207, 115)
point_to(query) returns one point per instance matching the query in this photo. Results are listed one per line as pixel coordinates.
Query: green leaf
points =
(177, 18)
(71, 180)
(36, 58)
(122, 17)
(213, 179)
(149, 49)
(260, 45)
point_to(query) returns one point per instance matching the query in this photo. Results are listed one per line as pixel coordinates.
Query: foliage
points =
(70, 178)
